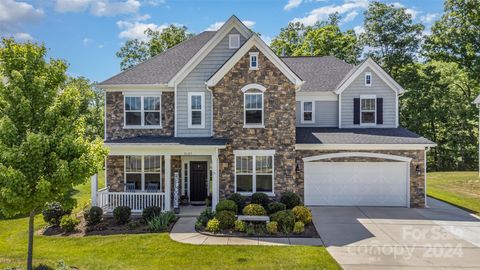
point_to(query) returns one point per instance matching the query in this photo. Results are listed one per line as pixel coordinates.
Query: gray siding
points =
(195, 82)
(326, 114)
(378, 88)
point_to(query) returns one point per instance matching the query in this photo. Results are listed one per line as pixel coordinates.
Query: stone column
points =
(168, 182)
(94, 188)
(215, 184)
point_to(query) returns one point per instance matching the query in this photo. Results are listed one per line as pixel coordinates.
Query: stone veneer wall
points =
(279, 119)
(115, 176)
(115, 115)
(417, 182)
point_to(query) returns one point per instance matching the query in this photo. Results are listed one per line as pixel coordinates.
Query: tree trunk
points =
(30, 240)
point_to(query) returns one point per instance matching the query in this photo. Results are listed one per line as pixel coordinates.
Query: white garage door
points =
(356, 183)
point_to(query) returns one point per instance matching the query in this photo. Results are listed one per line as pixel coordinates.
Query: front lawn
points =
(458, 188)
(147, 251)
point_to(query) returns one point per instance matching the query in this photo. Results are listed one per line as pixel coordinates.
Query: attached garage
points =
(380, 183)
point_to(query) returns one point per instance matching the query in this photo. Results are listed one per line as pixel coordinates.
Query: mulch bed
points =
(310, 232)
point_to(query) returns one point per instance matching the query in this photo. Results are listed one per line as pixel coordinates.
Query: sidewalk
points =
(184, 232)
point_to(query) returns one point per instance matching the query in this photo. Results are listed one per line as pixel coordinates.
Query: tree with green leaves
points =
(391, 36)
(135, 51)
(289, 39)
(44, 150)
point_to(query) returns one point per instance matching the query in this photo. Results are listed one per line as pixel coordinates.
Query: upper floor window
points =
(254, 173)
(142, 111)
(196, 110)
(143, 173)
(368, 79)
(233, 41)
(368, 110)
(254, 60)
(308, 112)
(253, 115)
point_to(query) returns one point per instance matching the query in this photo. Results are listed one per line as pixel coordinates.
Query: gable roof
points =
(162, 67)
(256, 41)
(322, 73)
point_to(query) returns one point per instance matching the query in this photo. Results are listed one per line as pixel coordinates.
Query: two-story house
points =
(221, 113)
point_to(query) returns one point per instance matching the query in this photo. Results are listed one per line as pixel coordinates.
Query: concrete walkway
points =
(184, 232)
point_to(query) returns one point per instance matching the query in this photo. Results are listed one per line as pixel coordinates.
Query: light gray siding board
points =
(326, 114)
(195, 82)
(378, 88)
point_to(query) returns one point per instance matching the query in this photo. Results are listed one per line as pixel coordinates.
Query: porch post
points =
(168, 179)
(94, 188)
(215, 184)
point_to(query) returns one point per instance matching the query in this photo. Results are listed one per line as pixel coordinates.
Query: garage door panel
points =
(356, 183)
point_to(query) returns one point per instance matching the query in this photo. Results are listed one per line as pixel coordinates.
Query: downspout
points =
(175, 110)
(425, 173)
(211, 108)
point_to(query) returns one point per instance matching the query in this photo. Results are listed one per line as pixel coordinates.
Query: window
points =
(254, 174)
(233, 41)
(254, 60)
(196, 110)
(308, 112)
(368, 79)
(368, 110)
(253, 109)
(142, 111)
(143, 173)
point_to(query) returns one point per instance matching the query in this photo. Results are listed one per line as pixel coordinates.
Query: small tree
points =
(44, 150)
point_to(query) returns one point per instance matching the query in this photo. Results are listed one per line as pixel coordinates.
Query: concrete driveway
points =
(438, 237)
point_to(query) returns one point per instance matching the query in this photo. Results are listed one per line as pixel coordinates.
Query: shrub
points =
(121, 214)
(275, 207)
(299, 227)
(93, 215)
(205, 216)
(158, 223)
(254, 210)
(170, 216)
(149, 212)
(260, 198)
(213, 225)
(285, 220)
(198, 225)
(250, 229)
(272, 227)
(226, 205)
(68, 223)
(53, 213)
(238, 199)
(302, 214)
(290, 199)
(240, 226)
(226, 219)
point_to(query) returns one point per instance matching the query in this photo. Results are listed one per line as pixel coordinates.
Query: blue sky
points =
(87, 33)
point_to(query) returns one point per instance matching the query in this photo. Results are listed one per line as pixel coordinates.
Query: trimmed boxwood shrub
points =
(290, 199)
(299, 227)
(254, 210)
(149, 212)
(272, 227)
(93, 215)
(53, 213)
(302, 214)
(260, 198)
(285, 220)
(240, 226)
(205, 216)
(68, 223)
(226, 219)
(226, 205)
(213, 225)
(275, 207)
(121, 214)
(238, 199)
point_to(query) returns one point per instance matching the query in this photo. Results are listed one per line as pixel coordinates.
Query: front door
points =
(198, 182)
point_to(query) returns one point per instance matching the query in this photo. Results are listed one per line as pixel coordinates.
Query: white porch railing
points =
(137, 201)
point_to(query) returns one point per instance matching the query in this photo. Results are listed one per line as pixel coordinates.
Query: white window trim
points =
(361, 120)
(230, 37)
(254, 154)
(245, 125)
(142, 112)
(302, 119)
(256, 55)
(202, 95)
(142, 172)
(365, 78)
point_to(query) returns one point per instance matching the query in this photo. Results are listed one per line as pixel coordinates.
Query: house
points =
(221, 113)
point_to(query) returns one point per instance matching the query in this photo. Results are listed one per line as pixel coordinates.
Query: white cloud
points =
(136, 30)
(98, 8)
(350, 16)
(322, 13)
(359, 30)
(266, 39)
(155, 2)
(429, 18)
(413, 12)
(22, 37)
(292, 4)
(13, 15)
(217, 25)
(87, 41)
(72, 5)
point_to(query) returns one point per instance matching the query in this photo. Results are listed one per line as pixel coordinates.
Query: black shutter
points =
(356, 111)
(379, 111)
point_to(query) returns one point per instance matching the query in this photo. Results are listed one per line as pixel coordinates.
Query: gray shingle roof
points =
(162, 67)
(171, 140)
(316, 135)
(319, 73)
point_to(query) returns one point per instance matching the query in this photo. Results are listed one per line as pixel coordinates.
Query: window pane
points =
(152, 182)
(307, 106)
(307, 116)
(368, 104)
(152, 163)
(196, 102)
(196, 118)
(134, 179)
(152, 118)
(368, 117)
(244, 164)
(151, 103)
(133, 118)
(264, 183)
(368, 79)
(133, 103)
(133, 163)
(244, 183)
(263, 164)
(253, 101)
(253, 116)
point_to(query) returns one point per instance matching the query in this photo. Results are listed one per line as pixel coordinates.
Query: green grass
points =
(147, 251)
(458, 188)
